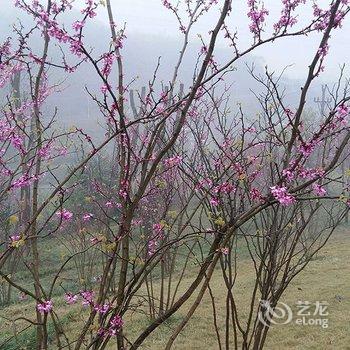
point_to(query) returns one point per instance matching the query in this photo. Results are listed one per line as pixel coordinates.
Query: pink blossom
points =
(310, 173)
(78, 25)
(323, 50)
(167, 4)
(76, 47)
(64, 215)
(119, 41)
(289, 175)
(71, 298)
(107, 60)
(123, 193)
(87, 296)
(102, 332)
(318, 190)
(256, 195)
(116, 322)
(282, 196)
(251, 129)
(214, 202)
(225, 188)
(113, 329)
(44, 152)
(224, 250)
(289, 113)
(306, 148)
(173, 161)
(45, 307)
(152, 246)
(257, 17)
(204, 183)
(341, 116)
(17, 142)
(343, 110)
(23, 181)
(287, 19)
(104, 89)
(89, 10)
(157, 234)
(102, 309)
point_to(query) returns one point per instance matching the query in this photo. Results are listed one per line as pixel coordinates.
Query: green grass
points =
(326, 277)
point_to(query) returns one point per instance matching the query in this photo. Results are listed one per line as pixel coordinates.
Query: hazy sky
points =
(149, 17)
(152, 31)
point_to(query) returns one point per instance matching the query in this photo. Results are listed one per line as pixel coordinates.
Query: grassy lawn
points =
(327, 278)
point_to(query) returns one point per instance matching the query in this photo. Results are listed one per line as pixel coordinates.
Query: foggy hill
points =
(140, 55)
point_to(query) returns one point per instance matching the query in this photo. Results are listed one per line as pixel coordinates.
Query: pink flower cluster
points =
(87, 296)
(78, 25)
(282, 196)
(48, 20)
(115, 325)
(256, 195)
(70, 298)
(318, 190)
(293, 172)
(109, 204)
(287, 19)
(124, 189)
(225, 188)
(214, 201)
(167, 4)
(102, 309)
(64, 215)
(107, 60)
(288, 174)
(45, 307)
(87, 299)
(158, 233)
(257, 16)
(306, 148)
(202, 184)
(324, 16)
(323, 50)
(224, 250)
(5, 48)
(23, 181)
(45, 151)
(173, 161)
(342, 113)
(89, 10)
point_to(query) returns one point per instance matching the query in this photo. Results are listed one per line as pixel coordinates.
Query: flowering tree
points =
(175, 173)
